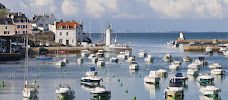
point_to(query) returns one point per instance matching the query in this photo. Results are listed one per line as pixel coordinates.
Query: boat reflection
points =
(218, 78)
(192, 78)
(66, 98)
(101, 98)
(34, 98)
(152, 89)
(89, 87)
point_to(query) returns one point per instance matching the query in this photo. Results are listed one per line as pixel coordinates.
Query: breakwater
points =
(207, 41)
(200, 48)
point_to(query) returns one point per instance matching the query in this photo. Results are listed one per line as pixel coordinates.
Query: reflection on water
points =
(36, 98)
(192, 78)
(176, 98)
(88, 87)
(218, 78)
(101, 98)
(152, 89)
(66, 98)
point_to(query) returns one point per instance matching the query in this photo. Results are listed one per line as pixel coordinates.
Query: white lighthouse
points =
(108, 35)
(181, 35)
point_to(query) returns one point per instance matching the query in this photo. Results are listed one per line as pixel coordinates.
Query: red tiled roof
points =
(64, 25)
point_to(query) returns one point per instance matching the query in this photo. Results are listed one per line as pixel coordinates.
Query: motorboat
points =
(203, 97)
(130, 59)
(80, 60)
(128, 53)
(192, 71)
(174, 66)
(152, 78)
(94, 60)
(162, 72)
(176, 63)
(91, 72)
(205, 79)
(175, 90)
(101, 91)
(44, 57)
(194, 65)
(66, 60)
(91, 80)
(201, 60)
(168, 58)
(85, 53)
(65, 91)
(173, 43)
(61, 63)
(114, 59)
(149, 59)
(222, 49)
(179, 78)
(225, 53)
(134, 65)
(208, 51)
(210, 91)
(100, 53)
(100, 62)
(91, 56)
(214, 65)
(30, 90)
(187, 59)
(142, 53)
(218, 71)
(122, 55)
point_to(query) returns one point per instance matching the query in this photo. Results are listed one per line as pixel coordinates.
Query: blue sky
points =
(133, 15)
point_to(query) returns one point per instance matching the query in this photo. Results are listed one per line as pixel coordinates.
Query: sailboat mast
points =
(89, 31)
(26, 57)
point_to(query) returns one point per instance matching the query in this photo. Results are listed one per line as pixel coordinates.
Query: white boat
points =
(218, 71)
(91, 72)
(205, 79)
(128, 53)
(91, 80)
(179, 78)
(85, 53)
(65, 91)
(168, 58)
(100, 62)
(174, 91)
(66, 60)
(134, 65)
(176, 63)
(94, 60)
(80, 60)
(173, 43)
(149, 59)
(192, 71)
(194, 65)
(100, 53)
(201, 60)
(61, 63)
(214, 65)
(142, 53)
(222, 49)
(174, 66)
(203, 97)
(162, 72)
(210, 91)
(91, 56)
(208, 51)
(101, 91)
(187, 59)
(114, 59)
(122, 55)
(29, 90)
(152, 78)
(130, 59)
(225, 53)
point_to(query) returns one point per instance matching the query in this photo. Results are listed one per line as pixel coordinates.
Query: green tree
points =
(4, 12)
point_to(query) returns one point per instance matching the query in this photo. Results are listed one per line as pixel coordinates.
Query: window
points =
(40, 25)
(60, 34)
(6, 27)
(66, 33)
(72, 40)
(60, 27)
(18, 32)
(60, 40)
(26, 26)
(15, 32)
(24, 32)
(67, 26)
(6, 32)
(23, 26)
(46, 24)
(18, 26)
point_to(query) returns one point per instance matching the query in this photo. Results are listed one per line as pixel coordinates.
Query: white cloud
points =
(23, 5)
(43, 6)
(98, 8)
(70, 8)
(189, 8)
(127, 16)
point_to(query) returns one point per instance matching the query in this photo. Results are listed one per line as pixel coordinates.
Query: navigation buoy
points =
(14, 73)
(84, 69)
(134, 98)
(40, 73)
(67, 73)
(19, 70)
(121, 84)
(139, 75)
(112, 75)
(34, 81)
(149, 68)
(3, 85)
(37, 86)
(145, 66)
(62, 76)
(118, 80)
(126, 91)
(64, 70)
(60, 85)
(36, 76)
(2, 82)
(10, 76)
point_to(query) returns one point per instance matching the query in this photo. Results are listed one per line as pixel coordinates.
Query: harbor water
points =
(48, 76)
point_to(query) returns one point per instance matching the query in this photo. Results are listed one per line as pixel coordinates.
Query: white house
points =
(42, 22)
(68, 33)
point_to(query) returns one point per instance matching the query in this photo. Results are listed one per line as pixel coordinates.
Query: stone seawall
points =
(200, 48)
(208, 41)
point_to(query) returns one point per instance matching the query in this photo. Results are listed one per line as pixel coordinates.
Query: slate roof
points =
(35, 19)
(2, 6)
(18, 19)
(6, 21)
